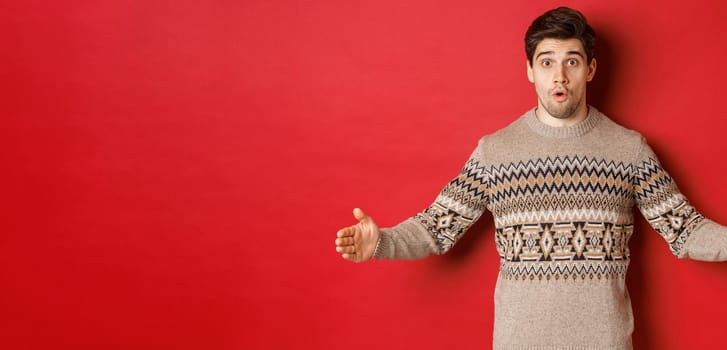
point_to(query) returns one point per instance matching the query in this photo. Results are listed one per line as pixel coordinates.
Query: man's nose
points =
(559, 76)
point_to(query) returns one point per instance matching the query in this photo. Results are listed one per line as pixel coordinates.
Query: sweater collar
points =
(580, 129)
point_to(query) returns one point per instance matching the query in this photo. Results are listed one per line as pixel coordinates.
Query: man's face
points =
(560, 72)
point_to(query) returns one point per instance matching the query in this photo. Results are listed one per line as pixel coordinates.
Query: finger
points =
(359, 214)
(349, 257)
(346, 249)
(347, 231)
(344, 241)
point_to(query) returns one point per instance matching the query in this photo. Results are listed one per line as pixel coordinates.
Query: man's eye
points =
(546, 63)
(572, 62)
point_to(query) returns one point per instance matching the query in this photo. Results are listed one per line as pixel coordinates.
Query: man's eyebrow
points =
(544, 53)
(578, 53)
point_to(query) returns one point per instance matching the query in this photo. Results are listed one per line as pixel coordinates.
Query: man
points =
(560, 181)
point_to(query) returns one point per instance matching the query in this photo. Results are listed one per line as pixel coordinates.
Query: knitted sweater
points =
(562, 200)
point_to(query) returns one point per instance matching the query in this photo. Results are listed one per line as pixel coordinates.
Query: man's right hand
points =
(357, 243)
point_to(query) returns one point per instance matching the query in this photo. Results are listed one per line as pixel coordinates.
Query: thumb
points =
(359, 214)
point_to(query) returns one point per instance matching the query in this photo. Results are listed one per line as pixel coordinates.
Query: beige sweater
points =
(562, 202)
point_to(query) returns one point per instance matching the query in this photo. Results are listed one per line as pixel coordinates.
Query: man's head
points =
(559, 45)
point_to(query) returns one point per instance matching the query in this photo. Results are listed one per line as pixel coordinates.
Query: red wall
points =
(173, 172)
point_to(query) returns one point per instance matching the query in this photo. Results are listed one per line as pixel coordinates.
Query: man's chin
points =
(561, 112)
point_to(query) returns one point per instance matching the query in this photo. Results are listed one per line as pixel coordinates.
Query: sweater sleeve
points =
(437, 228)
(688, 233)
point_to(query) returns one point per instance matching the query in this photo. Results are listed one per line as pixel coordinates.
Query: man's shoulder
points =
(513, 129)
(611, 128)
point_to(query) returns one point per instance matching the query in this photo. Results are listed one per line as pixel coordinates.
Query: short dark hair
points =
(560, 23)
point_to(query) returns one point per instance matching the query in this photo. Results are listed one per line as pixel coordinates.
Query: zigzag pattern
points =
(560, 175)
(568, 201)
(564, 270)
(557, 215)
(661, 206)
(653, 186)
(470, 187)
(650, 178)
(465, 209)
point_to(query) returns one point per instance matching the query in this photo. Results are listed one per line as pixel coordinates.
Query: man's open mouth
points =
(560, 94)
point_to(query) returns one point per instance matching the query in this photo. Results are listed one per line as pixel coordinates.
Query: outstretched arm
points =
(357, 243)
(688, 233)
(432, 231)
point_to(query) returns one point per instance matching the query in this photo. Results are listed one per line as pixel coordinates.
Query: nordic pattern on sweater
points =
(561, 216)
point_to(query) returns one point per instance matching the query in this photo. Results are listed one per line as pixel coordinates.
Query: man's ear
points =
(591, 69)
(530, 71)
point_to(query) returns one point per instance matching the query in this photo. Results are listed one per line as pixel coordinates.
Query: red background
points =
(173, 172)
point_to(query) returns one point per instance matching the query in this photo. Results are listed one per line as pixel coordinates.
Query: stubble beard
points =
(564, 110)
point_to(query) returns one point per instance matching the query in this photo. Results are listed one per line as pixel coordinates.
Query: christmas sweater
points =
(561, 199)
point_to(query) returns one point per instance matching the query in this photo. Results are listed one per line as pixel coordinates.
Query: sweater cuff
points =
(384, 245)
(708, 242)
